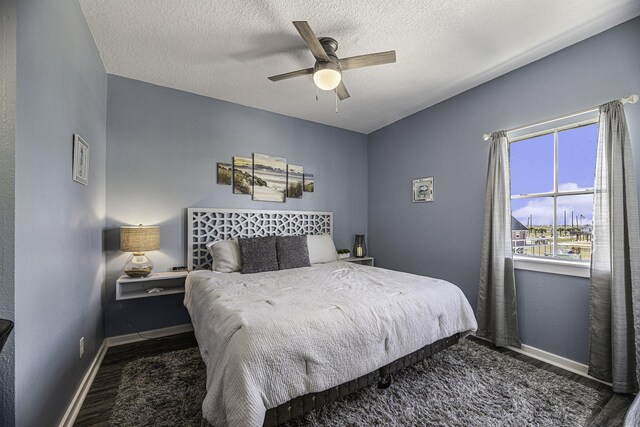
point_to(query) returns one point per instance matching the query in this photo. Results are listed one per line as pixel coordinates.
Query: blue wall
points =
(553, 312)
(443, 239)
(162, 148)
(59, 263)
(8, 18)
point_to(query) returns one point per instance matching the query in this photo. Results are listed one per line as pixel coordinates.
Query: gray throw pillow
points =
(292, 252)
(258, 254)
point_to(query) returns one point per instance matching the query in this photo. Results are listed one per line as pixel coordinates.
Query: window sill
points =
(553, 266)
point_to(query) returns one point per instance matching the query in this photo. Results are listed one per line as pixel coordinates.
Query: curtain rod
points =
(631, 99)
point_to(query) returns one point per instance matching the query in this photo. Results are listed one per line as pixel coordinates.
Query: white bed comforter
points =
(267, 338)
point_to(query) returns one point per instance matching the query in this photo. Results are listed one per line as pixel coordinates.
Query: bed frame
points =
(303, 404)
(209, 224)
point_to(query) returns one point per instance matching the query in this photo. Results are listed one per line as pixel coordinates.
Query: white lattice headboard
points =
(207, 224)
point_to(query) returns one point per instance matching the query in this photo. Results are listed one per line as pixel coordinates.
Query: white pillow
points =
(321, 249)
(226, 255)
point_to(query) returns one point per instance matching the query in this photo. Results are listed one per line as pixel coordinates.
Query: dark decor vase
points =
(359, 247)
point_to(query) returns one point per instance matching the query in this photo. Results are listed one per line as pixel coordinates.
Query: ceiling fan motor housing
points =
(332, 64)
(329, 44)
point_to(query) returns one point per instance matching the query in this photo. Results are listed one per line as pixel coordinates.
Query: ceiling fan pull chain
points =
(316, 93)
(336, 102)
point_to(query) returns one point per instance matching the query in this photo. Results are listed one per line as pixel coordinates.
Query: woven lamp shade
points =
(140, 238)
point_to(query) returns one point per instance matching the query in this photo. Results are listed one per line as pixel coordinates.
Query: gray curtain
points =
(497, 317)
(614, 294)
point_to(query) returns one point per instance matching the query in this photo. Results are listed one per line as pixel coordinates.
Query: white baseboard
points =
(71, 414)
(155, 333)
(553, 359)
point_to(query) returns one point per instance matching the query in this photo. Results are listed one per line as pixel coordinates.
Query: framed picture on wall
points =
(294, 181)
(309, 183)
(242, 175)
(269, 178)
(80, 160)
(223, 174)
(423, 190)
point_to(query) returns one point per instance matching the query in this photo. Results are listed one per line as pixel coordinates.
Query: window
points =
(552, 180)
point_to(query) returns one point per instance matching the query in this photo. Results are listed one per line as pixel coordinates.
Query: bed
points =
(278, 344)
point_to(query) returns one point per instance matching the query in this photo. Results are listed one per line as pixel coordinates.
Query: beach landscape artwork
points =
(294, 181)
(242, 175)
(269, 178)
(308, 183)
(223, 173)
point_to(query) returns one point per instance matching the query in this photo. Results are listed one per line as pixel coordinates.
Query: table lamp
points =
(359, 247)
(139, 239)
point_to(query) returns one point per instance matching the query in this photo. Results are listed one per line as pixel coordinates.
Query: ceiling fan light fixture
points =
(327, 75)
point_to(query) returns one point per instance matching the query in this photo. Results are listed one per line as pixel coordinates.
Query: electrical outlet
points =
(81, 347)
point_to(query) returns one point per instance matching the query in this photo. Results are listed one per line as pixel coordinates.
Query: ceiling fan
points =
(327, 71)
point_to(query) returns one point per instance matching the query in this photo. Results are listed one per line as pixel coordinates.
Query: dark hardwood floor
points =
(96, 409)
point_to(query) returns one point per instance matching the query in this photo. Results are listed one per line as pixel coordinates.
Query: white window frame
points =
(553, 264)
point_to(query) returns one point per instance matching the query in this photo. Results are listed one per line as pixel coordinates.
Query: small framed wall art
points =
(242, 175)
(294, 181)
(223, 175)
(80, 160)
(309, 183)
(423, 190)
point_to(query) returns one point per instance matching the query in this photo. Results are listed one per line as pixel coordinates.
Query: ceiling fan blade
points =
(291, 75)
(342, 91)
(311, 40)
(368, 60)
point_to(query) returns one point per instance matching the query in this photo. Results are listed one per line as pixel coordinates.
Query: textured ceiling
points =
(227, 49)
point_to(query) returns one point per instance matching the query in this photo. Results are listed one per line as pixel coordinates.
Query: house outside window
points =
(552, 181)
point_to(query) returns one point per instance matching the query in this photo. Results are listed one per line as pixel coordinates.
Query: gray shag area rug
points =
(465, 385)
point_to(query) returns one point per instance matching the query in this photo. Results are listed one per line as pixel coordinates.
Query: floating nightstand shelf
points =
(168, 283)
(366, 260)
